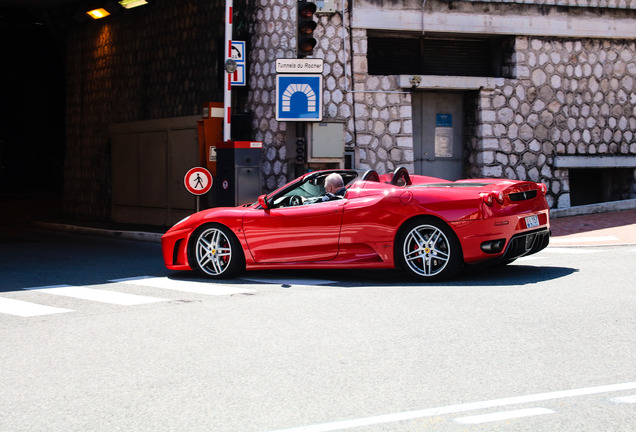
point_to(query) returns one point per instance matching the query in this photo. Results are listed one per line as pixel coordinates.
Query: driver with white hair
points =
(334, 187)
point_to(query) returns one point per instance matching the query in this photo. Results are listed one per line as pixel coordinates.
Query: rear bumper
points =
(526, 243)
(510, 236)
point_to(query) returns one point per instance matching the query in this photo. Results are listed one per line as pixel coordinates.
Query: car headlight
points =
(181, 221)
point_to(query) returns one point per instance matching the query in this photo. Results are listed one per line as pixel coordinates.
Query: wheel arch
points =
(420, 218)
(194, 234)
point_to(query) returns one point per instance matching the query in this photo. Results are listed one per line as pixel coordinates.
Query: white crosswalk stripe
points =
(23, 308)
(26, 309)
(205, 288)
(98, 295)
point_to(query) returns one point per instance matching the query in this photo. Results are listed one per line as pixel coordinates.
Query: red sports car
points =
(427, 226)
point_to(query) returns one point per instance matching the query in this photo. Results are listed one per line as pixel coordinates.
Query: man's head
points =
(333, 182)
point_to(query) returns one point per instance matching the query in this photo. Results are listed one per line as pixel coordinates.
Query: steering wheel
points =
(295, 200)
(401, 177)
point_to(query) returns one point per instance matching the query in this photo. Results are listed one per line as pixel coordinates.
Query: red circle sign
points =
(198, 181)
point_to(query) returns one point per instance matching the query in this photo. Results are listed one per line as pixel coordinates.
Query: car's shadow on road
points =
(511, 275)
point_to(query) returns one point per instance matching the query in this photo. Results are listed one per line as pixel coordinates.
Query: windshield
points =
(310, 190)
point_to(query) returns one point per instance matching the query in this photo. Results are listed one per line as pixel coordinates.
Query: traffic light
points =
(300, 151)
(306, 25)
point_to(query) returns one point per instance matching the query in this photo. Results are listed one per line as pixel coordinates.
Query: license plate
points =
(532, 221)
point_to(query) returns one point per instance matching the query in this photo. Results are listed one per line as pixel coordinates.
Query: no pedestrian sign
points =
(198, 181)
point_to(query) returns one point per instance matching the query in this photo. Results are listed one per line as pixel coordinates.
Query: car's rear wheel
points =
(429, 250)
(215, 252)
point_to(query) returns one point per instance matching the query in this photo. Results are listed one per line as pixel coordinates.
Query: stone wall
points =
(569, 97)
(383, 124)
(273, 31)
(274, 36)
(153, 62)
(376, 113)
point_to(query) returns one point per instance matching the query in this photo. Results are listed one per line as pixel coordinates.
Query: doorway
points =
(438, 134)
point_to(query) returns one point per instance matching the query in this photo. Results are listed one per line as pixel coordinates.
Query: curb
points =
(102, 232)
(606, 207)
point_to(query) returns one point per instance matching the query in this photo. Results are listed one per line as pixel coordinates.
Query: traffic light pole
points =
(227, 82)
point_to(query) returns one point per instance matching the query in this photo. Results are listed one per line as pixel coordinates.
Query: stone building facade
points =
(569, 98)
(556, 103)
(565, 101)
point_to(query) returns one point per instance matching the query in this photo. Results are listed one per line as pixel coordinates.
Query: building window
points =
(393, 53)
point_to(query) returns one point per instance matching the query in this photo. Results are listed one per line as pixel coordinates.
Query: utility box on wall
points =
(210, 132)
(326, 143)
(239, 172)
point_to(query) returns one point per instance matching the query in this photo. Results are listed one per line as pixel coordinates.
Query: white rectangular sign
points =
(314, 66)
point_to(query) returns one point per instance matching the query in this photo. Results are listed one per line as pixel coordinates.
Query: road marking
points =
(530, 258)
(26, 309)
(625, 399)
(504, 415)
(97, 295)
(291, 282)
(573, 251)
(454, 409)
(206, 288)
(582, 239)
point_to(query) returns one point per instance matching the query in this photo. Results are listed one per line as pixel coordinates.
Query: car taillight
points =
(544, 189)
(489, 198)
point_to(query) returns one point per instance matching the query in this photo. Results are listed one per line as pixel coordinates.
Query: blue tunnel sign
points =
(298, 97)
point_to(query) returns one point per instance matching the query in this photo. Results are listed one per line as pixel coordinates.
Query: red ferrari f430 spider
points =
(427, 226)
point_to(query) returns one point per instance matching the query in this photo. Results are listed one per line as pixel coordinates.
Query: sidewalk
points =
(599, 229)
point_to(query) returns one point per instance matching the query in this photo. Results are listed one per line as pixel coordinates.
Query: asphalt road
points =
(98, 336)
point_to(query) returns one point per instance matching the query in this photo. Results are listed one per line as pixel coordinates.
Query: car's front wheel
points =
(215, 252)
(429, 250)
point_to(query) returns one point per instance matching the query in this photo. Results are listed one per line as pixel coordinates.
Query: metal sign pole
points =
(230, 67)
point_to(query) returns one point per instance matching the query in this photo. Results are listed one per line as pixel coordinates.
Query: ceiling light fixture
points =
(98, 13)
(129, 4)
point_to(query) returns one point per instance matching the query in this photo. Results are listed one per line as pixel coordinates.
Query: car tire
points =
(429, 250)
(215, 252)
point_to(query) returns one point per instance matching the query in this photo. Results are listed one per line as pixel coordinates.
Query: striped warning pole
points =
(227, 81)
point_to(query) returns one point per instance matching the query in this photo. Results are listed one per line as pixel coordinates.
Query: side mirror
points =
(262, 201)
